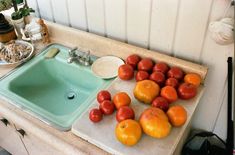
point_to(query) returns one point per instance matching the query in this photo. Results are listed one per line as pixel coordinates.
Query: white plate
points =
(106, 67)
(6, 64)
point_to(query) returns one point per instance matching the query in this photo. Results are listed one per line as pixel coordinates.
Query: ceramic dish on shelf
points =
(106, 67)
(4, 63)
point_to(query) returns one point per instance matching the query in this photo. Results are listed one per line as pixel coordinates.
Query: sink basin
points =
(51, 89)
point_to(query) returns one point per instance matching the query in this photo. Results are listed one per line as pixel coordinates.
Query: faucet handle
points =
(87, 54)
(72, 52)
(86, 58)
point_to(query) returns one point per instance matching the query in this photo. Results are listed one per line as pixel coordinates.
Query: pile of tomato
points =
(157, 84)
(107, 106)
(173, 81)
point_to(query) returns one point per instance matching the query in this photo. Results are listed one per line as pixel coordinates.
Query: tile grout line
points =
(172, 52)
(86, 16)
(126, 33)
(221, 99)
(150, 23)
(104, 13)
(52, 11)
(37, 7)
(205, 34)
(68, 15)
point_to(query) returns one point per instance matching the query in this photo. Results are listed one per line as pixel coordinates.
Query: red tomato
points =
(125, 72)
(175, 72)
(95, 115)
(145, 64)
(161, 67)
(141, 75)
(133, 60)
(160, 102)
(107, 107)
(172, 82)
(158, 77)
(124, 113)
(187, 91)
(103, 95)
(169, 93)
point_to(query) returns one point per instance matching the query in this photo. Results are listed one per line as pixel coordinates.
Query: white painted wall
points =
(177, 28)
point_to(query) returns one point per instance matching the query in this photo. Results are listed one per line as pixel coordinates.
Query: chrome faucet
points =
(72, 55)
(75, 57)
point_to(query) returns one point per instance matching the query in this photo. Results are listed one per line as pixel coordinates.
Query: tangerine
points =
(154, 123)
(177, 115)
(169, 93)
(146, 90)
(193, 78)
(121, 99)
(128, 132)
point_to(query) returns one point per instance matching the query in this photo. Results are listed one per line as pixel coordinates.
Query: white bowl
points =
(106, 67)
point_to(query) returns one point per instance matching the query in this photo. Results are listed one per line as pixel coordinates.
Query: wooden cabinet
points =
(35, 145)
(19, 141)
(9, 139)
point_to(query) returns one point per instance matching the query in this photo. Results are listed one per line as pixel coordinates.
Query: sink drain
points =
(70, 95)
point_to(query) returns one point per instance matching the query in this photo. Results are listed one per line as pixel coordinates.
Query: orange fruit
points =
(169, 93)
(146, 90)
(154, 123)
(193, 78)
(177, 115)
(128, 132)
(121, 99)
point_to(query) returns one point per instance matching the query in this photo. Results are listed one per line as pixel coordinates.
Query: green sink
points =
(51, 89)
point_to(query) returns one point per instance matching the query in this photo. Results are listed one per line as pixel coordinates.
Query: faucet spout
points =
(75, 57)
(70, 60)
(72, 52)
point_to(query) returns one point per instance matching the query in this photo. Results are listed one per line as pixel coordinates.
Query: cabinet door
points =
(35, 145)
(10, 140)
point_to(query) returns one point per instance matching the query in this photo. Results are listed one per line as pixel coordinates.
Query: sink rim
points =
(21, 102)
